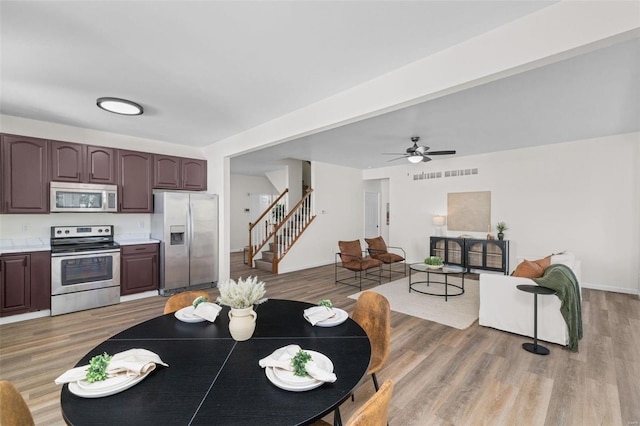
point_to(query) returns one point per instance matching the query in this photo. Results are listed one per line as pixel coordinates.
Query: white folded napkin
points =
(133, 362)
(281, 358)
(208, 311)
(316, 314)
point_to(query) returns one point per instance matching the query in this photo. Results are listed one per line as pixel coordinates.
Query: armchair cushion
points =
(378, 250)
(350, 250)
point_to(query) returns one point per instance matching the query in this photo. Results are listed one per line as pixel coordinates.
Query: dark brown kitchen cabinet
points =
(25, 176)
(139, 268)
(73, 162)
(172, 172)
(135, 182)
(25, 282)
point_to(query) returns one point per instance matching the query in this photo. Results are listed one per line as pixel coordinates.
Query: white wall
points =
(579, 196)
(338, 202)
(241, 188)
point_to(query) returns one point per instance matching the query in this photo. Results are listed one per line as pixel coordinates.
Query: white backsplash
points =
(24, 226)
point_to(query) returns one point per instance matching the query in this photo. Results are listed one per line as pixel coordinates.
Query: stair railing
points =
(262, 230)
(287, 232)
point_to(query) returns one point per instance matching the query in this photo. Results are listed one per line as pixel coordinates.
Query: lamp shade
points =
(438, 220)
(415, 158)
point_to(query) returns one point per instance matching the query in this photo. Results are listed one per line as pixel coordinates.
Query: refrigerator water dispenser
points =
(177, 235)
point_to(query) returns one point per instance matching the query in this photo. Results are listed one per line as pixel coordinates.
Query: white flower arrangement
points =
(243, 294)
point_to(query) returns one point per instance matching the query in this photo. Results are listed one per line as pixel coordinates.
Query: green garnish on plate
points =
(325, 302)
(199, 300)
(299, 361)
(98, 368)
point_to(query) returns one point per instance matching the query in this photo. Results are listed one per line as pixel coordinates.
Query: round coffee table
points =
(445, 271)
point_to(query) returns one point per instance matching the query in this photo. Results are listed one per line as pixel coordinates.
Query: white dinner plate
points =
(340, 317)
(186, 315)
(286, 380)
(106, 387)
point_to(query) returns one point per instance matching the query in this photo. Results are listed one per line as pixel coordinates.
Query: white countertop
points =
(133, 239)
(19, 245)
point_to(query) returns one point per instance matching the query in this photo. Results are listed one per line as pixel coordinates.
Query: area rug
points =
(458, 311)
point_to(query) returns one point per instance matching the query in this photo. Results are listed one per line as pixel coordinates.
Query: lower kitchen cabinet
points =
(25, 282)
(139, 268)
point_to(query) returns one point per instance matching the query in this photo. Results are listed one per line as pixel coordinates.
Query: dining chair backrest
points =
(375, 411)
(182, 300)
(13, 408)
(373, 313)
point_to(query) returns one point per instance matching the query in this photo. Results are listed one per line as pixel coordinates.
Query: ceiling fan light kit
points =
(416, 154)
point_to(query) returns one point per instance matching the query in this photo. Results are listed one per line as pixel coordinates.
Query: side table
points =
(536, 290)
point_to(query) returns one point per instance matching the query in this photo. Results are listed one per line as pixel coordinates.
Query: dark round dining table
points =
(215, 380)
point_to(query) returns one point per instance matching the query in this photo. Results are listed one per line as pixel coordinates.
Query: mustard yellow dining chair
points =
(13, 408)
(374, 412)
(182, 300)
(373, 313)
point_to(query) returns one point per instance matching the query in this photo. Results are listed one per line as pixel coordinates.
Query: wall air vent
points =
(446, 174)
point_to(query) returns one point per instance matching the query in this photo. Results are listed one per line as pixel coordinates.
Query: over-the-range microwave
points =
(83, 197)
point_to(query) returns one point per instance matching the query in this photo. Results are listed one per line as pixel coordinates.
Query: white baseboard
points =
(610, 288)
(136, 296)
(25, 317)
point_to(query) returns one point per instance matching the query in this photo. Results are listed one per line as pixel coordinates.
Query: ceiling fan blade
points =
(394, 159)
(425, 159)
(392, 153)
(440, 153)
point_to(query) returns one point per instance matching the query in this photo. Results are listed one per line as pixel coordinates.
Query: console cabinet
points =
(74, 162)
(139, 268)
(25, 282)
(470, 253)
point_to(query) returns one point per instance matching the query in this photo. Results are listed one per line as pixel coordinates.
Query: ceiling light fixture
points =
(119, 106)
(415, 159)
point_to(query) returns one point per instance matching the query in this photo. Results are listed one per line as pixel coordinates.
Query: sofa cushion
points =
(565, 258)
(544, 262)
(528, 269)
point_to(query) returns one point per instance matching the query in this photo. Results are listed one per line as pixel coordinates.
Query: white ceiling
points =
(208, 70)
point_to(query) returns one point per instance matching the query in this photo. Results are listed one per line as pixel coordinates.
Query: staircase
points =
(278, 236)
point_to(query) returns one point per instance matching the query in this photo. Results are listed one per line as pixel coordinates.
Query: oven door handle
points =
(85, 253)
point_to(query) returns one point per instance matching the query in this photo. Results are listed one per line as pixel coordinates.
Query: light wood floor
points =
(443, 376)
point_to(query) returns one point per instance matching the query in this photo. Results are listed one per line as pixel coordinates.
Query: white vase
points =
(242, 323)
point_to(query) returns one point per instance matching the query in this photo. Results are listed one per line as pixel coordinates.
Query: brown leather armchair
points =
(352, 258)
(388, 255)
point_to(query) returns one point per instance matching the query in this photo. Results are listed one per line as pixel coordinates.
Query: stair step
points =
(267, 256)
(263, 266)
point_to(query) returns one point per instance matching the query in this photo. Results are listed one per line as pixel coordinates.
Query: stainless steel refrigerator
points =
(186, 223)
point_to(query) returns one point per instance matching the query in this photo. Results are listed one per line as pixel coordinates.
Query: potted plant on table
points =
(501, 227)
(433, 262)
(241, 297)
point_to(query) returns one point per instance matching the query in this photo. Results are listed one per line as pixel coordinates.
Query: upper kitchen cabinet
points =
(179, 173)
(25, 176)
(135, 180)
(72, 162)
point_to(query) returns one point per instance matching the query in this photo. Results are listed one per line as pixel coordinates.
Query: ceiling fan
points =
(416, 154)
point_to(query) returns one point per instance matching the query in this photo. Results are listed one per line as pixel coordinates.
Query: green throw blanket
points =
(561, 279)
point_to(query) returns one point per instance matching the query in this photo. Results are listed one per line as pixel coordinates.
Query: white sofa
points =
(504, 307)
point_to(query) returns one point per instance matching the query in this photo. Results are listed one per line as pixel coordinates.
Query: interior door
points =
(371, 214)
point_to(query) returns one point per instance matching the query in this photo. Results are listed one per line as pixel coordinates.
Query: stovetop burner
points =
(74, 239)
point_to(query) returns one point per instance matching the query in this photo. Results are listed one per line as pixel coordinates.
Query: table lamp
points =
(438, 221)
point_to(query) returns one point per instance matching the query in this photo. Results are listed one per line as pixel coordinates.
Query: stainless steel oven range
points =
(85, 268)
